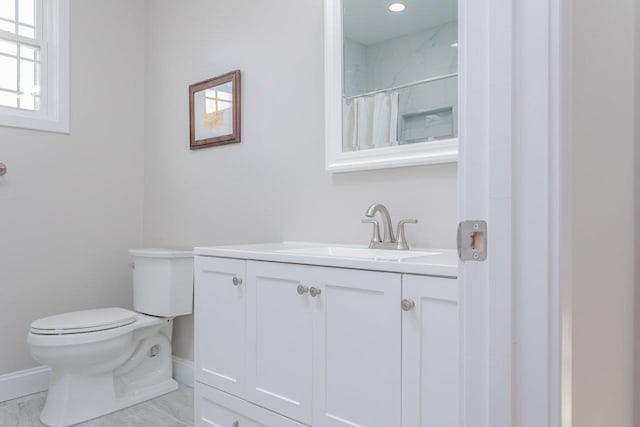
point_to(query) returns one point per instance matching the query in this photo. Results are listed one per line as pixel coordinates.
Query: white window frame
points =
(53, 115)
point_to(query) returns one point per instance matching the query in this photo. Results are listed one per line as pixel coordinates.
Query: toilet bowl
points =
(104, 360)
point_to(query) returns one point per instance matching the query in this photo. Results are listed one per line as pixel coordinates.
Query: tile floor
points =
(171, 410)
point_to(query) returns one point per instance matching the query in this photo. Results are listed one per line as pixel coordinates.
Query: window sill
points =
(31, 122)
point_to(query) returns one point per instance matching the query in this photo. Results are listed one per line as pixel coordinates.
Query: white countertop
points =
(443, 262)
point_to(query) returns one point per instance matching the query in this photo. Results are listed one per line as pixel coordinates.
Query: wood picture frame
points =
(215, 111)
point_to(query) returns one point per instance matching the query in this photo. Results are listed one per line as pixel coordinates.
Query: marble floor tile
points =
(23, 412)
(40, 395)
(141, 415)
(178, 404)
(174, 409)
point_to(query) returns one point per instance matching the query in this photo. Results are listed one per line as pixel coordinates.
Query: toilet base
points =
(51, 416)
(94, 379)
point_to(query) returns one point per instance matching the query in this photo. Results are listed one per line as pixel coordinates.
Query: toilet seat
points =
(86, 336)
(84, 321)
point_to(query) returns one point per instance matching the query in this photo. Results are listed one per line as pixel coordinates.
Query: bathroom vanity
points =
(295, 334)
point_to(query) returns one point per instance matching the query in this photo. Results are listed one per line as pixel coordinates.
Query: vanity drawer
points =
(219, 409)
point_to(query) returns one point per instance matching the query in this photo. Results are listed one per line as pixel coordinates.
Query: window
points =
(34, 70)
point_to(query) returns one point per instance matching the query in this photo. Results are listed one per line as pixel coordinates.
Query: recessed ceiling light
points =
(396, 7)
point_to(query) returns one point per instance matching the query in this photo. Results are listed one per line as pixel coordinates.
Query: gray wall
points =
(273, 185)
(71, 205)
(603, 211)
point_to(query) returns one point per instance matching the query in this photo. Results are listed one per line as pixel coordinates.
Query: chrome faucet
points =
(386, 220)
(388, 241)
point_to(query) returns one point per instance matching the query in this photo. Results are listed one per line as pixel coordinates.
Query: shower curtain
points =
(370, 122)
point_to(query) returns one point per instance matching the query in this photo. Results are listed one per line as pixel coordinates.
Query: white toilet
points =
(106, 359)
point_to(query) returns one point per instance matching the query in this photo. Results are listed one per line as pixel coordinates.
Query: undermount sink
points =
(359, 253)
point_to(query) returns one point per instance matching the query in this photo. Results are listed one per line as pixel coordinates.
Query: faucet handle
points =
(402, 241)
(375, 238)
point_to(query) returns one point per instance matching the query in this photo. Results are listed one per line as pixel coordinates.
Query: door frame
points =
(511, 170)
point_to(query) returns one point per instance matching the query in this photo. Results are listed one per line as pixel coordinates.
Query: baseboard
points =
(23, 383)
(35, 380)
(183, 371)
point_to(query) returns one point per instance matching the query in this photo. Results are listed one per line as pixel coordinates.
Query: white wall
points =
(603, 208)
(71, 205)
(273, 185)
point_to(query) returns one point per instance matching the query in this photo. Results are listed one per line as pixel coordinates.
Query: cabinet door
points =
(218, 409)
(279, 339)
(357, 320)
(220, 323)
(430, 352)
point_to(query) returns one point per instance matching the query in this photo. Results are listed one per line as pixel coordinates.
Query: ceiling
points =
(370, 21)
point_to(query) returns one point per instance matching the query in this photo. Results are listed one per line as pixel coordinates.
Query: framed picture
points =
(214, 110)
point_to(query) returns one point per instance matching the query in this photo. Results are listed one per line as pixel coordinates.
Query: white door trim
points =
(485, 192)
(510, 175)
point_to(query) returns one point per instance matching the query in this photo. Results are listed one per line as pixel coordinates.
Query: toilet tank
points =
(162, 282)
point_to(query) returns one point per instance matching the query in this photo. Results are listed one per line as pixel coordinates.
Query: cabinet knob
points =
(314, 292)
(407, 304)
(302, 290)
(237, 281)
(235, 424)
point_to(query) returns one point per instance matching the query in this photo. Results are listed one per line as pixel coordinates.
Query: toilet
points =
(106, 359)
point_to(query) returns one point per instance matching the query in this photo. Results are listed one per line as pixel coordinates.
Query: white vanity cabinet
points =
(219, 409)
(357, 348)
(429, 352)
(323, 346)
(279, 332)
(220, 319)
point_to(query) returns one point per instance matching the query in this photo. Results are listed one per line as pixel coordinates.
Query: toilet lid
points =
(83, 321)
